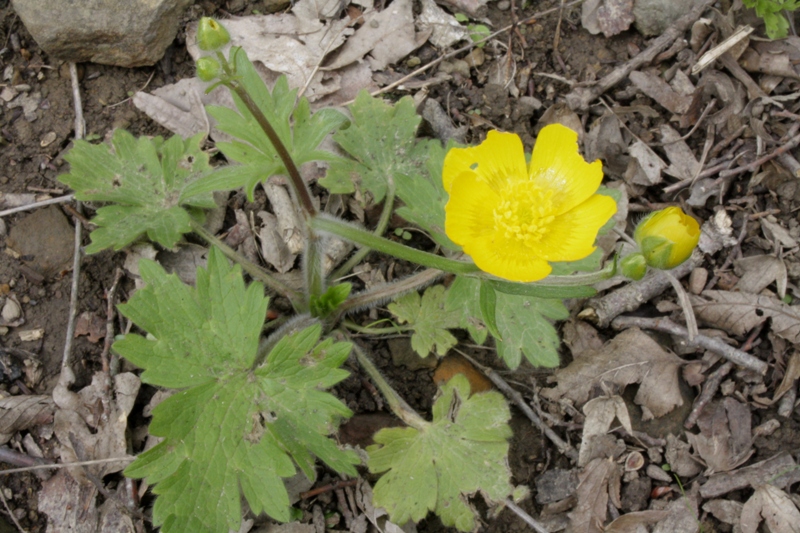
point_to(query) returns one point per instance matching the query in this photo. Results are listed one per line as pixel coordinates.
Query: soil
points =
(27, 164)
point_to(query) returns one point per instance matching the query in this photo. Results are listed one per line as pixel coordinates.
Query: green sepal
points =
(207, 68)
(633, 266)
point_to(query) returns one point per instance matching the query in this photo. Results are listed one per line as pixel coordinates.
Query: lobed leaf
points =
(299, 130)
(429, 318)
(146, 180)
(234, 429)
(438, 467)
(525, 329)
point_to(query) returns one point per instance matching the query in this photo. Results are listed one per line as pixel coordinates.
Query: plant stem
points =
(340, 228)
(251, 268)
(373, 331)
(296, 181)
(386, 292)
(383, 222)
(398, 405)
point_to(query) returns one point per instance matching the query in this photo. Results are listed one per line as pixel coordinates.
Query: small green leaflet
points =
(300, 131)
(233, 429)
(423, 194)
(146, 181)
(525, 329)
(429, 318)
(382, 142)
(436, 468)
(463, 296)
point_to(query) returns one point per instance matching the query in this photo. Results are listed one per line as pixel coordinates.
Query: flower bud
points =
(667, 237)
(633, 266)
(208, 68)
(211, 35)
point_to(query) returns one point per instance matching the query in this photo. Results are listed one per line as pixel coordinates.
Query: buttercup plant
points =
(251, 410)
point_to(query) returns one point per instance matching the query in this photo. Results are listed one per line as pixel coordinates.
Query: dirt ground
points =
(31, 159)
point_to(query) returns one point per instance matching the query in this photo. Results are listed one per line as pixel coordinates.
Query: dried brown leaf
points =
(18, 413)
(644, 167)
(660, 91)
(757, 272)
(725, 439)
(779, 471)
(635, 522)
(69, 504)
(727, 511)
(772, 505)
(592, 493)
(615, 16)
(600, 414)
(682, 162)
(791, 375)
(631, 357)
(738, 313)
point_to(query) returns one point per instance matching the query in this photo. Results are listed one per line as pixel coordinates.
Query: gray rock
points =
(45, 240)
(654, 16)
(127, 34)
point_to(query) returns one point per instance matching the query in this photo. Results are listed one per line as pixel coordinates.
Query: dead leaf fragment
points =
(738, 313)
(600, 414)
(18, 413)
(645, 166)
(90, 325)
(760, 271)
(772, 505)
(615, 16)
(725, 439)
(631, 357)
(791, 375)
(660, 91)
(634, 522)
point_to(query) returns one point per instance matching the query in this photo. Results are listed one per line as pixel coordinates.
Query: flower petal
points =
(496, 160)
(571, 236)
(469, 212)
(495, 256)
(556, 165)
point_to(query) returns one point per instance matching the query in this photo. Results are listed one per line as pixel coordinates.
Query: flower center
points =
(524, 213)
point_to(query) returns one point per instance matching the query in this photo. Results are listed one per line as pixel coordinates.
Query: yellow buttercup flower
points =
(667, 237)
(513, 218)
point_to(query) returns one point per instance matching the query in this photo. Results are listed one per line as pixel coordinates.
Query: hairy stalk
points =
(398, 405)
(313, 273)
(251, 268)
(383, 222)
(294, 324)
(384, 293)
(373, 331)
(345, 230)
(296, 181)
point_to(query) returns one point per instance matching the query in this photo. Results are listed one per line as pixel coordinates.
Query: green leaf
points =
(234, 429)
(381, 141)
(299, 130)
(146, 181)
(463, 296)
(423, 193)
(438, 467)
(590, 263)
(488, 302)
(323, 305)
(429, 318)
(525, 329)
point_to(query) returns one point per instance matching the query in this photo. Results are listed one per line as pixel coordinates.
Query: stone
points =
(655, 16)
(11, 311)
(44, 240)
(127, 34)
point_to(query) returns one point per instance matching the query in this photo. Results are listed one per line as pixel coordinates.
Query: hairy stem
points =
(398, 405)
(388, 291)
(373, 331)
(383, 222)
(340, 228)
(251, 268)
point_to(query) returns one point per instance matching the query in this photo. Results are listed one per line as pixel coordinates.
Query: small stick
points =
(789, 145)
(686, 305)
(80, 123)
(525, 516)
(68, 465)
(727, 351)
(709, 390)
(580, 97)
(110, 296)
(328, 488)
(517, 398)
(36, 205)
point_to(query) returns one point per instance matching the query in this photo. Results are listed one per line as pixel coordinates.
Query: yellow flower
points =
(667, 237)
(513, 218)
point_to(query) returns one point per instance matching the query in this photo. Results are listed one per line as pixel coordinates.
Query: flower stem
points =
(384, 293)
(340, 228)
(251, 268)
(373, 331)
(398, 405)
(383, 222)
(298, 185)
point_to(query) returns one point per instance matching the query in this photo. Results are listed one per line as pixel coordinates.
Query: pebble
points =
(48, 139)
(446, 67)
(11, 311)
(658, 474)
(462, 67)
(476, 57)
(504, 5)
(413, 61)
(697, 280)
(3, 229)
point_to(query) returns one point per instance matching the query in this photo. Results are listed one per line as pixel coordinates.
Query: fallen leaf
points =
(772, 505)
(725, 439)
(445, 29)
(634, 522)
(778, 234)
(644, 167)
(593, 493)
(69, 504)
(726, 511)
(680, 459)
(757, 272)
(791, 375)
(660, 91)
(600, 414)
(90, 325)
(780, 471)
(273, 248)
(682, 162)
(681, 515)
(18, 413)
(631, 357)
(739, 312)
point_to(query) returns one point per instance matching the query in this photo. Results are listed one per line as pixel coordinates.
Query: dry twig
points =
(709, 390)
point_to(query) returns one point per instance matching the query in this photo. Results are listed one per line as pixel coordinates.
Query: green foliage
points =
(429, 318)
(382, 142)
(477, 32)
(146, 181)
(234, 427)
(437, 467)
(525, 329)
(463, 297)
(770, 11)
(331, 300)
(299, 130)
